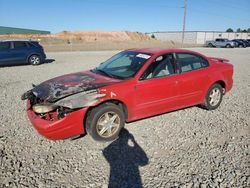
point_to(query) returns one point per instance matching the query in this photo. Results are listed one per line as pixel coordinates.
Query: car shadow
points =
(47, 61)
(125, 156)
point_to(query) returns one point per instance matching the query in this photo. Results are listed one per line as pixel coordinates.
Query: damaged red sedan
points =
(131, 85)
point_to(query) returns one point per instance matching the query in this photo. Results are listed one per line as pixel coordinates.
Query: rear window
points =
(20, 44)
(4, 46)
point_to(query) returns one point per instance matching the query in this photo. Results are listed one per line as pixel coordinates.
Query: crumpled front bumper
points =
(71, 125)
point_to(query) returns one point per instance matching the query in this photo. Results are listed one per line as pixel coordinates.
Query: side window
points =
(20, 44)
(4, 46)
(162, 66)
(189, 62)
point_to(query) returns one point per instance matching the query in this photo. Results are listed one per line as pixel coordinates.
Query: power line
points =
(184, 21)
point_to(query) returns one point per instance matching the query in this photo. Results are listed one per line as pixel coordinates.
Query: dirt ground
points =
(186, 148)
(109, 45)
(95, 41)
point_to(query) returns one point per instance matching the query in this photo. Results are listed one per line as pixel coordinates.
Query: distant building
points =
(197, 37)
(13, 30)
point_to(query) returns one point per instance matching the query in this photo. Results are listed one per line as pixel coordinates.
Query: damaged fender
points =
(80, 100)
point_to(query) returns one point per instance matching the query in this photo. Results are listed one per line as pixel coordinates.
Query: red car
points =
(131, 85)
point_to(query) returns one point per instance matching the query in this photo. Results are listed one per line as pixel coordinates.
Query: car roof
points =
(17, 40)
(161, 50)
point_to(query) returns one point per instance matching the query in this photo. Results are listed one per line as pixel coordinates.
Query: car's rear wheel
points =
(213, 97)
(228, 46)
(34, 60)
(210, 45)
(240, 46)
(105, 122)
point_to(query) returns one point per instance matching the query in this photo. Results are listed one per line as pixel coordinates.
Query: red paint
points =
(70, 125)
(147, 97)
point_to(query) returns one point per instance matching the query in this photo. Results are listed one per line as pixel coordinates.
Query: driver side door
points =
(159, 92)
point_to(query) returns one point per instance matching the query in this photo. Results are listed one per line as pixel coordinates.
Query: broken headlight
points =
(43, 108)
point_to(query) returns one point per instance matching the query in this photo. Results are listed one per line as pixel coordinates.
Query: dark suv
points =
(13, 52)
(239, 43)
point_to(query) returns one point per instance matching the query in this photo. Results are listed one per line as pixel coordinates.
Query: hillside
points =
(93, 41)
(85, 36)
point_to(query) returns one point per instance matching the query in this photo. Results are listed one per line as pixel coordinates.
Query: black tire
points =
(228, 46)
(212, 104)
(96, 124)
(34, 60)
(210, 45)
(240, 46)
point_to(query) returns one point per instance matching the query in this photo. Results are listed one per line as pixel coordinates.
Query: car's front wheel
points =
(105, 122)
(34, 60)
(213, 97)
(228, 46)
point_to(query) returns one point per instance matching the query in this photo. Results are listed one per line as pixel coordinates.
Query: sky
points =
(125, 15)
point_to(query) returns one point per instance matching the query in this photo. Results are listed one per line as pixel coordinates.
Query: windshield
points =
(123, 65)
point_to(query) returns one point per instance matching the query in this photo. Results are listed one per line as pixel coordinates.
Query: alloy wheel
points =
(34, 60)
(108, 124)
(214, 97)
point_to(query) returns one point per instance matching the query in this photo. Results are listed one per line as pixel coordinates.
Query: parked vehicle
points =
(220, 42)
(239, 43)
(247, 44)
(14, 52)
(131, 85)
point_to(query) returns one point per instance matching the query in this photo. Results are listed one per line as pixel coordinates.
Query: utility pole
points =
(184, 21)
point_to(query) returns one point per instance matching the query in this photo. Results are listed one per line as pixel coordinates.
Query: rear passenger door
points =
(19, 51)
(193, 78)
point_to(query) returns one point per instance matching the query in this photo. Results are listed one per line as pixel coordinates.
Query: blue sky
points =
(125, 15)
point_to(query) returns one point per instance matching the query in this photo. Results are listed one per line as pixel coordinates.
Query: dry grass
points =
(92, 41)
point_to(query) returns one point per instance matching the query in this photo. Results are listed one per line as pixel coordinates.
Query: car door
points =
(193, 78)
(5, 55)
(157, 91)
(19, 51)
(220, 42)
(217, 42)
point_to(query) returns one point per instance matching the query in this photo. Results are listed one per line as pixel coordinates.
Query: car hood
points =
(60, 87)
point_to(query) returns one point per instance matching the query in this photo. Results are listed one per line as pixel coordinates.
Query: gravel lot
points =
(187, 148)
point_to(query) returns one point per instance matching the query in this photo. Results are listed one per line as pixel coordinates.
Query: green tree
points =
(248, 30)
(238, 30)
(153, 36)
(229, 30)
(244, 31)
